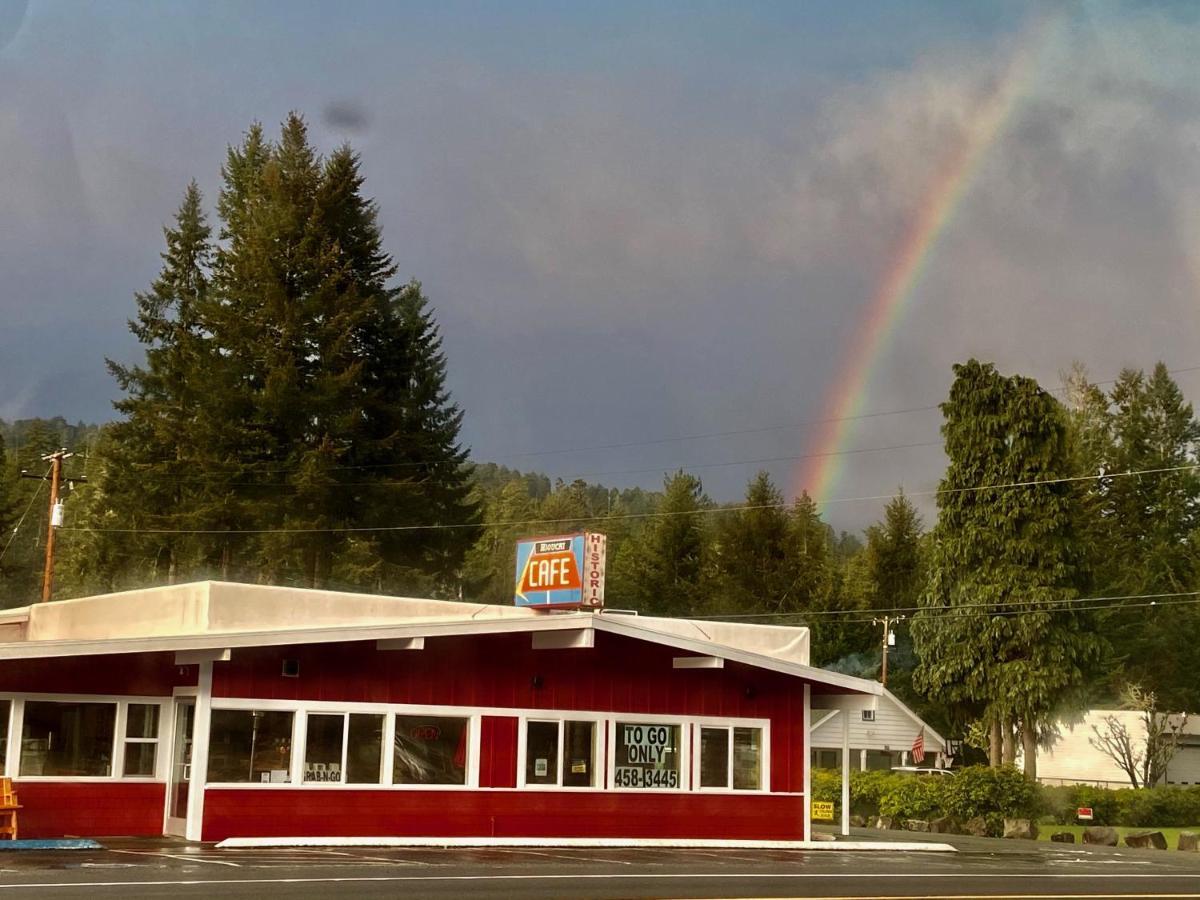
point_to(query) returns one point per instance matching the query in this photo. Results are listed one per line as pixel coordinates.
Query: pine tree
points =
(290, 391)
(996, 636)
(894, 556)
(661, 569)
(1141, 528)
(753, 553)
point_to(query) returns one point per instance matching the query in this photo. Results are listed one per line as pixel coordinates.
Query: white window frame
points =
(9, 765)
(126, 740)
(300, 710)
(727, 727)
(16, 729)
(599, 730)
(685, 748)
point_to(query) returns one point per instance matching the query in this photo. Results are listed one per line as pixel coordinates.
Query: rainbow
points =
(895, 291)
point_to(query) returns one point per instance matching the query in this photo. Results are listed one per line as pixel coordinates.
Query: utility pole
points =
(53, 520)
(888, 640)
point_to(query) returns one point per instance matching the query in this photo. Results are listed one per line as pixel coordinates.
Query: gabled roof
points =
(214, 615)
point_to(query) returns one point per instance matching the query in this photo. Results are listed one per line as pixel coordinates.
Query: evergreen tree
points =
(1141, 527)
(753, 553)
(894, 556)
(996, 635)
(660, 569)
(290, 391)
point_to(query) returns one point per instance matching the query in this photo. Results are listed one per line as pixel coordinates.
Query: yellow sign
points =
(822, 811)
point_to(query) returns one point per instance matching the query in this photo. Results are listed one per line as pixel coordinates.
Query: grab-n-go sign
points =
(561, 571)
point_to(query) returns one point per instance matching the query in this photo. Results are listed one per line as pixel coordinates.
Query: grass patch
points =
(1171, 834)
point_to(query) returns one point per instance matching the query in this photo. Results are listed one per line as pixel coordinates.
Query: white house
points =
(1072, 759)
(880, 738)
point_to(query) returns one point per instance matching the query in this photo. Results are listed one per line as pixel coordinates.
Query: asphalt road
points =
(980, 869)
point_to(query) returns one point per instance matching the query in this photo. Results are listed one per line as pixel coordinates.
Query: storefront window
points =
(141, 739)
(560, 753)
(747, 759)
(647, 756)
(731, 755)
(579, 754)
(541, 752)
(714, 757)
(430, 750)
(250, 746)
(364, 755)
(68, 739)
(323, 748)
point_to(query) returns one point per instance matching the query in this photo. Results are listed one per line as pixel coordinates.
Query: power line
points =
(1046, 482)
(578, 475)
(952, 613)
(1065, 603)
(690, 437)
(21, 520)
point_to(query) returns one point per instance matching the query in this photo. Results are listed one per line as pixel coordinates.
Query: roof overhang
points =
(580, 622)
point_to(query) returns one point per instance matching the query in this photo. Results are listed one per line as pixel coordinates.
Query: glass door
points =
(181, 767)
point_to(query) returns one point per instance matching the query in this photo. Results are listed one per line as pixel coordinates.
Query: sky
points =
(655, 235)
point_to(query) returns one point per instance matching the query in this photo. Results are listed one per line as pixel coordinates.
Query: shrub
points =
(982, 791)
(914, 798)
(867, 790)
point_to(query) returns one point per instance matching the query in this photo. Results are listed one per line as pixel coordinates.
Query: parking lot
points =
(980, 868)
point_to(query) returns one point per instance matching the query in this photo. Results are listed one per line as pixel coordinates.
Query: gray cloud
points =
(688, 256)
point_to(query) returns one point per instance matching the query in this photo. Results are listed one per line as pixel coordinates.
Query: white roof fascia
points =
(289, 636)
(629, 627)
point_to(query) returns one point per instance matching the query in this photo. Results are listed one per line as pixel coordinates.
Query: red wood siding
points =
(619, 674)
(94, 809)
(144, 674)
(298, 813)
(498, 752)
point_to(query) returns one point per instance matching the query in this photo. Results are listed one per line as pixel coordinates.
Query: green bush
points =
(867, 790)
(914, 798)
(1158, 807)
(1002, 793)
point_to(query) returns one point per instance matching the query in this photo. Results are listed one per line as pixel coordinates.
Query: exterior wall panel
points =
(498, 752)
(286, 813)
(140, 674)
(53, 809)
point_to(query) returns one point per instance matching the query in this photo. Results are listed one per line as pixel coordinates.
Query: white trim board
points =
(244, 843)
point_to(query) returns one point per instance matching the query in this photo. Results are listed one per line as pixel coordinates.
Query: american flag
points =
(918, 748)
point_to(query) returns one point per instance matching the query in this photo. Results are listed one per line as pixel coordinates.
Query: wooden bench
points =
(8, 809)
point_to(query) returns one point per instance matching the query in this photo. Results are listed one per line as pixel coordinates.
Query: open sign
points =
(425, 733)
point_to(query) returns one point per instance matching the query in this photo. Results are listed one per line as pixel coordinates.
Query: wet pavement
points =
(981, 868)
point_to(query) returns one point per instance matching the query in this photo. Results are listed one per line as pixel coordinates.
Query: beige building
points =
(1072, 759)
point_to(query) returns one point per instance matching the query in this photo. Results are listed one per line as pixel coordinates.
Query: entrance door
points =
(181, 767)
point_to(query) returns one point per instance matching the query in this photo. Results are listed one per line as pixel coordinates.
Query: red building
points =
(215, 710)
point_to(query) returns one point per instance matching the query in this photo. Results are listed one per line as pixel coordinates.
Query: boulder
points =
(1145, 839)
(1100, 834)
(1188, 840)
(883, 823)
(858, 822)
(945, 825)
(916, 825)
(1021, 829)
(977, 827)
(1063, 837)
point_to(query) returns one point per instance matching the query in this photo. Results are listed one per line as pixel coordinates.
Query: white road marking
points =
(576, 858)
(181, 857)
